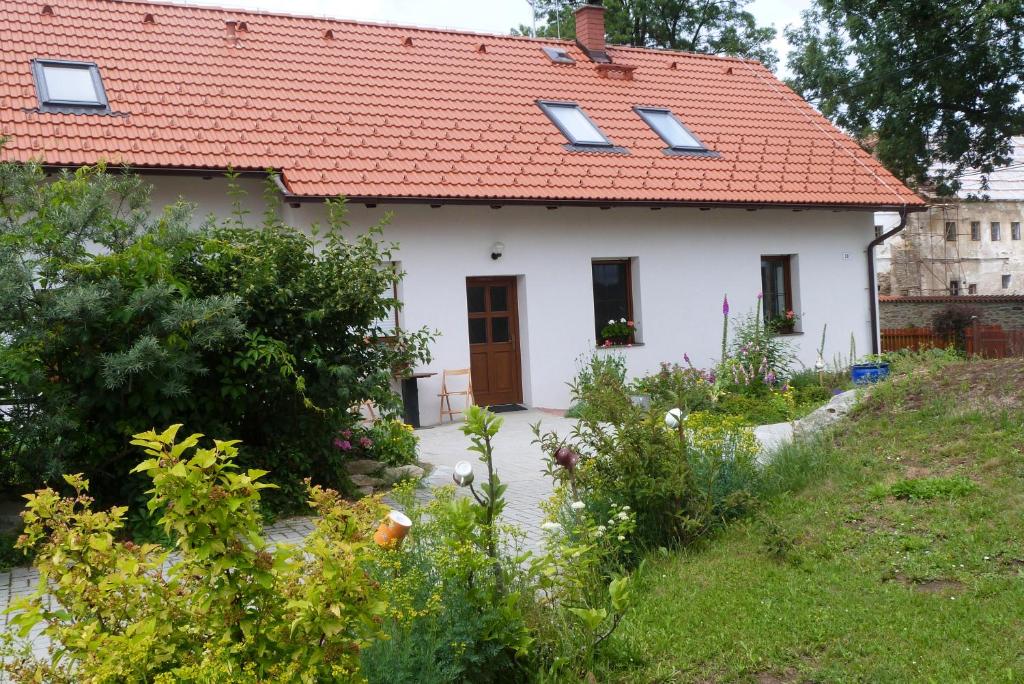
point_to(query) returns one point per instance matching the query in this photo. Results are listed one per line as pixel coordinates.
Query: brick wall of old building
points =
(917, 312)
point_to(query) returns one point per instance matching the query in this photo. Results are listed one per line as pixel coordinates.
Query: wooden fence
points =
(989, 341)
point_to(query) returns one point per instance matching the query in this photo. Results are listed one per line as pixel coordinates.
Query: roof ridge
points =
(187, 5)
(686, 53)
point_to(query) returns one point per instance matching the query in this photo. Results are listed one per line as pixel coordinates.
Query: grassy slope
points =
(830, 583)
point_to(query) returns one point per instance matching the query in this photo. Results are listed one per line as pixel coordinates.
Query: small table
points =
(411, 397)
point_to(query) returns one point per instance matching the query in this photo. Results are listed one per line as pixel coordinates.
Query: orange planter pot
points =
(393, 529)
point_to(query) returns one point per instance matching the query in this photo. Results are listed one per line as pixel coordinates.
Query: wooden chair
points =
(447, 393)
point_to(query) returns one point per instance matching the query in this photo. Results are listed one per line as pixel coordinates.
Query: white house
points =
(538, 188)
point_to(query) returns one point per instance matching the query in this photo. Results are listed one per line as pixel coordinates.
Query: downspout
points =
(872, 277)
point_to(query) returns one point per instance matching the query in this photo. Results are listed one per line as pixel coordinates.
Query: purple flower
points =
(365, 442)
(343, 444)
(686, 358)
(770, 378)
(760, 296)
(725, 305)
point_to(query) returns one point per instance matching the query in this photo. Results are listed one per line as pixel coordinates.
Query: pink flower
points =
(725, 305)
(630, 324)
(343, 444)
(365, 442)
(790, 314)
(760, 296)
(347, 434)
(607, 343)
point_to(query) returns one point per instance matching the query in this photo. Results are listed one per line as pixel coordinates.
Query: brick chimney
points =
(590, 30)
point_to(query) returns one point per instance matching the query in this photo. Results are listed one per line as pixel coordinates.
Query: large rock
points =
(406, 472)
(364, 466)
(360, 480)
(826, 415)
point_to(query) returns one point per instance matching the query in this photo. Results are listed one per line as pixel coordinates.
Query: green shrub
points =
(459, 597)
(926, 488)
(675, 385)
(763, 409)
(757, 358)
(599, 389)
(388, 440)
(681, 485)
(226, 607)
(113, 320)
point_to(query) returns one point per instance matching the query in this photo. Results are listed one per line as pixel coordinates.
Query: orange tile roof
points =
(380, 111)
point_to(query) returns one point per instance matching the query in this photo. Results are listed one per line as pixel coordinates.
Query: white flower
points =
(622, 538)
(601, 529)
(551, 527)
(623, 515)
(673, 417)
(611, 321)
(625, 508)
(577, 505)
(622, 320)
(599, 532)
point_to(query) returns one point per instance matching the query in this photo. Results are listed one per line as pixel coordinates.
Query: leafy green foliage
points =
(919, 82)
(720, 27)
(943, 574)
(926, 488)
(113, 320)
(227, 606)
(682, 483)
(450, 617)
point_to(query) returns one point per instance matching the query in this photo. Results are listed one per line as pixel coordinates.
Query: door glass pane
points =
(499, 329)
(499, 298)
(475, 299)
(477, 330)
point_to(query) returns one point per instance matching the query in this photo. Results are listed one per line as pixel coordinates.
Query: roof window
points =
(558, 55)
(73, 87)
(575, 124)
(677, 136)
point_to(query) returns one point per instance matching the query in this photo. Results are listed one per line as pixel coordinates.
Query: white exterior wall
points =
(686, 259)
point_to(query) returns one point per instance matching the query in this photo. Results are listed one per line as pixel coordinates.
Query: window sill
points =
(795, 333)
(620, 346)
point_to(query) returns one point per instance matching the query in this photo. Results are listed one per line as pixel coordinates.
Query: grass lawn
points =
(891, 552)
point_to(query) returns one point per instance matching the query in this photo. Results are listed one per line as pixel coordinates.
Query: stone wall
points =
(917, 312)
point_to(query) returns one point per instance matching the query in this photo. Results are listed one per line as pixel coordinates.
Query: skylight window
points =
(677, 136)
(575, 124)
(69, 86)
(558, 55)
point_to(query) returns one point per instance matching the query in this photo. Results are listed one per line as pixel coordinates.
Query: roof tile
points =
(365, 114)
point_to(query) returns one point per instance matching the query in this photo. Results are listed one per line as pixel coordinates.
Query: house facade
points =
(537, 188)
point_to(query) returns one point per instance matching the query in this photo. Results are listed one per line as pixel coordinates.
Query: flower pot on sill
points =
(617, 341)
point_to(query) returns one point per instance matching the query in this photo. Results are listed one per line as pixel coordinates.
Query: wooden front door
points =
(494, 340)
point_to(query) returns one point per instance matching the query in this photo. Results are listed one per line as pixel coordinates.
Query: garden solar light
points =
(393, 529)
(673, 418)
(463, 473)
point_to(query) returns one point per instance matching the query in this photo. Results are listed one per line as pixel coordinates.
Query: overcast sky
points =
(490, 16)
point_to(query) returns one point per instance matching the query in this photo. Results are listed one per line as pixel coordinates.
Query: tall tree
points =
(717, 27)
(932, 86)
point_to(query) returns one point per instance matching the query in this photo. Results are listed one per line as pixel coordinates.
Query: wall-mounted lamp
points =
(497, 249)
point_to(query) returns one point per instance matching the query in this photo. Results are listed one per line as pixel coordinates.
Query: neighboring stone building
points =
(965, 245)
